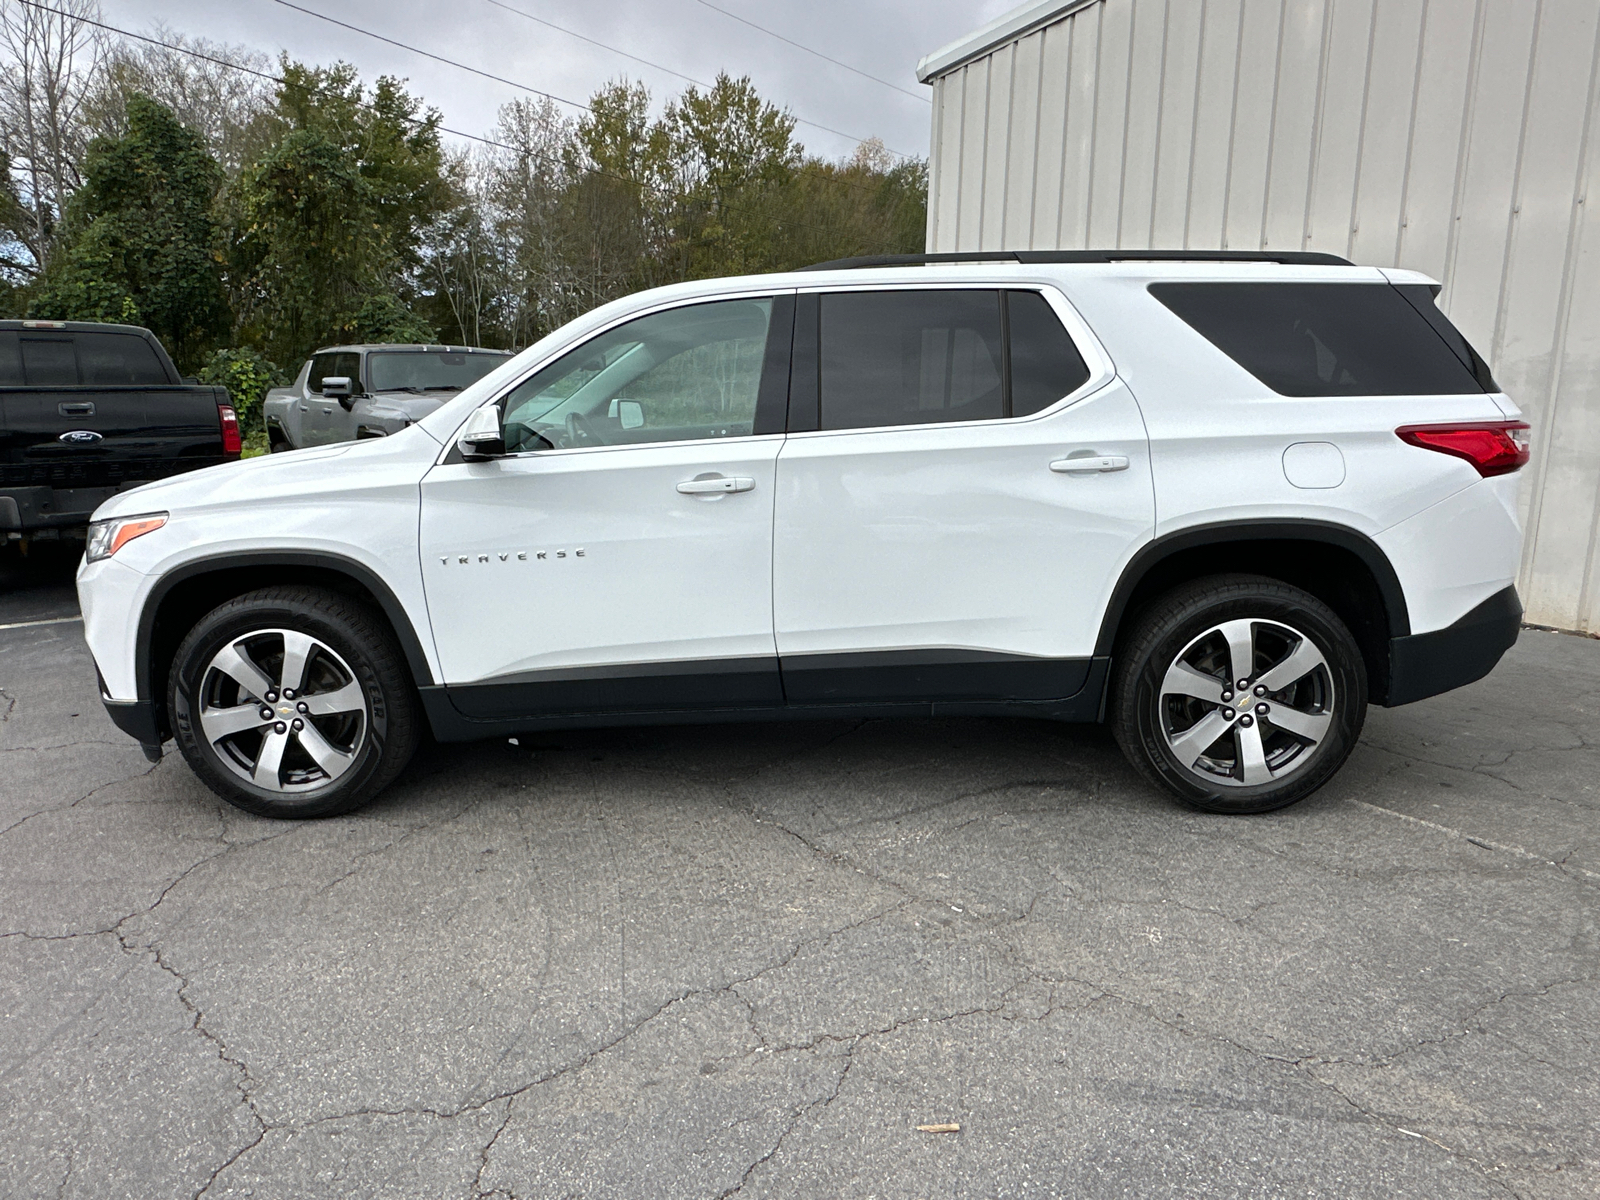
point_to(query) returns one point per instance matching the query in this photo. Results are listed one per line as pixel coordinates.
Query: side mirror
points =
(481, 437)
(338, 387)
(629, 412)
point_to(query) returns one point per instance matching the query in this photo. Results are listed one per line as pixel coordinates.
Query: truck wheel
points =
(1238, 694)
(293, 702)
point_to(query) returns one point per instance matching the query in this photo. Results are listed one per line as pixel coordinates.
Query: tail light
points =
(232, 443)
(1493, 447)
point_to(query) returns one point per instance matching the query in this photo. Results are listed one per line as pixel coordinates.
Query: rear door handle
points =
(78, 408)
(719, 485)
(1103, 462)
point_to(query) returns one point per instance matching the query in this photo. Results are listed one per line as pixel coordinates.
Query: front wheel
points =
(292, 702)
(1239, 694)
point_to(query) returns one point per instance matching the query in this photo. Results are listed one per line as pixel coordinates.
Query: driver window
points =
(688, 373)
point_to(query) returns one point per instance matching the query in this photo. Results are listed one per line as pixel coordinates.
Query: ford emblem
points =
(79, 437)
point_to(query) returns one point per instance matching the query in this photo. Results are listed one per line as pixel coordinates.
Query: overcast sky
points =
(881, 37)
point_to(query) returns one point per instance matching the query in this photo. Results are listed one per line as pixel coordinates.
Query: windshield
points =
(428, 370)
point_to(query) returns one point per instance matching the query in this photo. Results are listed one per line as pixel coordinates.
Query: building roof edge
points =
(1017, 23)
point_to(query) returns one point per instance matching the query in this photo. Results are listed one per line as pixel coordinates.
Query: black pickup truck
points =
(89, 410)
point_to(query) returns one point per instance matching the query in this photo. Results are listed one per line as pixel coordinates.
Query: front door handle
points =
(717, 485)
(1103, 462)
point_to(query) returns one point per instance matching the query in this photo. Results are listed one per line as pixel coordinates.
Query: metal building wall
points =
(1455, 137)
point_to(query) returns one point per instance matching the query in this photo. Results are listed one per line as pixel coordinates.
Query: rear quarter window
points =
(1325, 339)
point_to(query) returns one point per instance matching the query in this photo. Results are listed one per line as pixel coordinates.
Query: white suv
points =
(1220, 501)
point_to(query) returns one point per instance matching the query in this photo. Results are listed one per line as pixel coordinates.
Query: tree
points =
(139, 242)
(732, 154)
(330, 221)
(214, 89)
(52, 55)
(565, 215)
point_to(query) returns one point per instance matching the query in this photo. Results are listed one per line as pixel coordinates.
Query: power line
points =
(818, 53)
(659, 67)
(449, 62)
(593, 42)
(233, 66)
(525, 87)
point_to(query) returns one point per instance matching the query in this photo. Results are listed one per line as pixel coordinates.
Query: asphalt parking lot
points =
(753, 959)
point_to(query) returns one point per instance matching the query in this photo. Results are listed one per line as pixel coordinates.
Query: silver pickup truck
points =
(348, 392)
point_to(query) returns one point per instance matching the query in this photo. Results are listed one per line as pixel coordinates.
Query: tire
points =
(1169, 696)
(326, 746)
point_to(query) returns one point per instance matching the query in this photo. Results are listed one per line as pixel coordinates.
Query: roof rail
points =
(1306, 258)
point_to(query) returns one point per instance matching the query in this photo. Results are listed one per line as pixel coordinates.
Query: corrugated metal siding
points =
(1455, 137)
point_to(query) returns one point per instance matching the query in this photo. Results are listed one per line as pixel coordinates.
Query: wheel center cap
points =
(285, 710)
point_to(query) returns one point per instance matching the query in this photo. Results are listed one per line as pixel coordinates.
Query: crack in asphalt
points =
(798, 1115)
(1502, 847)
(74, 803)
(124, 744)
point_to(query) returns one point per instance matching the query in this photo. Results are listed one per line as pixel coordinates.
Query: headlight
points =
(107, 537)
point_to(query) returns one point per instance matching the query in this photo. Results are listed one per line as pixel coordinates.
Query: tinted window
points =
(1045, 365)
(688, 373)
(118, 359)
(1420, 296)
(49, 362)
(1322, 339)
(345, 362)
(428, 370)
(910, 358)
(10, 360)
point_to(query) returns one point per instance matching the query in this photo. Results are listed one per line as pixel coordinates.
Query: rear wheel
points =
(1239, 694)
(292, 702)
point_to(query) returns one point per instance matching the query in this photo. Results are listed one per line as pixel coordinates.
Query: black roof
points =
(1309, 258)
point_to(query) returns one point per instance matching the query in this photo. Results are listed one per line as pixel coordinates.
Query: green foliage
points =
(385, 318)
(576, 213)
(331, 217)
(139, 243)
(247, 374)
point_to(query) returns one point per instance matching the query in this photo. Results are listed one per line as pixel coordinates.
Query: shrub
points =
(247, 374)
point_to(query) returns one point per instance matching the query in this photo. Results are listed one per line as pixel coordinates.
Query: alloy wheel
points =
(282, 710)
(1246, 703)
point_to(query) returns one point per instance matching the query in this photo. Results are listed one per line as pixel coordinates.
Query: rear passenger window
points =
(910, 358)
(49, 362)
(1323, 339)
(118, 359)
(1045, 365)
(926, 356)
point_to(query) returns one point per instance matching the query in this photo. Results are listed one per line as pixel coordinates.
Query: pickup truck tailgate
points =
(66, 439)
